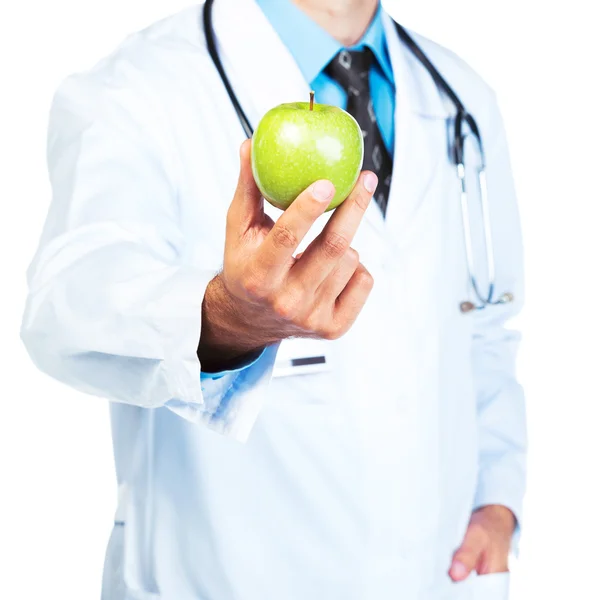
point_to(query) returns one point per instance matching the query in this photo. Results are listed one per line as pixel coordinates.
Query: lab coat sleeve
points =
(500, 399)
(114, 305)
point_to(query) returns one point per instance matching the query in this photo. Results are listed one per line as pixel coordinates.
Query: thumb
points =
(247, 205)
(469, 555)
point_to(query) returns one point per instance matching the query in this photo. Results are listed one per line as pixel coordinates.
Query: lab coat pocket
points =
(494, 586)
(300, 356)
(303, 377)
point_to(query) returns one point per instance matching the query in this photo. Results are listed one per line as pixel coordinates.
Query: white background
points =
(58, 490)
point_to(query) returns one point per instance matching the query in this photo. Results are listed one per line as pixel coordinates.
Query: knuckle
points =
(282, 308)
(312, 324)
(334, 245)
(332, 334)
(286, 305)
(252, 285)
(365, 279)
(334, 331)
(362, 199)
(315, 320)
(318, 325)
(284, 237)
(352, 257)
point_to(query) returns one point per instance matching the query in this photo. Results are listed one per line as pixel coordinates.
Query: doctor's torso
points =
(339, 490)
(358, 477)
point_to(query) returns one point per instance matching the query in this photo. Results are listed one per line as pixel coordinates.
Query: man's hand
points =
(486, 545)
(265, 294)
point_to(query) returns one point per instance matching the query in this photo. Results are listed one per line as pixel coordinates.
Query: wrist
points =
(227, 336)
(502, 516)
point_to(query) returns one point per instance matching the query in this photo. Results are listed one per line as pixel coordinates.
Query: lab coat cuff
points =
(504, 488)
(229, 404)
(232, 403)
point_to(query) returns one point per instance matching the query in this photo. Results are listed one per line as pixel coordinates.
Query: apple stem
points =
(312, 100)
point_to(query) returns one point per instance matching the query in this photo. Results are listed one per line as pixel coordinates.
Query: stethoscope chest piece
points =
(467, 306)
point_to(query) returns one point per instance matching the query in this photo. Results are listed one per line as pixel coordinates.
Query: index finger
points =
(291, 227)
(325, 251)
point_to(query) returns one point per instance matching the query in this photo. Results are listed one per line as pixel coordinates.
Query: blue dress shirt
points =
(313, 48)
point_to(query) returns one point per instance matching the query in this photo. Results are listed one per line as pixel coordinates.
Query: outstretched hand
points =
(265, 293)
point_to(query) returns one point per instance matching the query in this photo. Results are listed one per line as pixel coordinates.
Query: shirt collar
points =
(312, 47)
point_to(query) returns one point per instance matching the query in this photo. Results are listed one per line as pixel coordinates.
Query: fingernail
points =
(458, 571)
(370, 182)
(323, 190)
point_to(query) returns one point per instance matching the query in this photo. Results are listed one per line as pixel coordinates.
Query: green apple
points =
(297, 144)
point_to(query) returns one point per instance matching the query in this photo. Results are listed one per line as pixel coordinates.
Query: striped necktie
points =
(350, 69)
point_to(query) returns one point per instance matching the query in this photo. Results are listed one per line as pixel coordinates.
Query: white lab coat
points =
(355, 482)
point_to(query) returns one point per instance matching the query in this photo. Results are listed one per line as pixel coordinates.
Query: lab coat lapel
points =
(414, 232)
(419, 149)
(263, 72)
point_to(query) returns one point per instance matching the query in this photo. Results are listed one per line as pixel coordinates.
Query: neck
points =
(345, 20)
